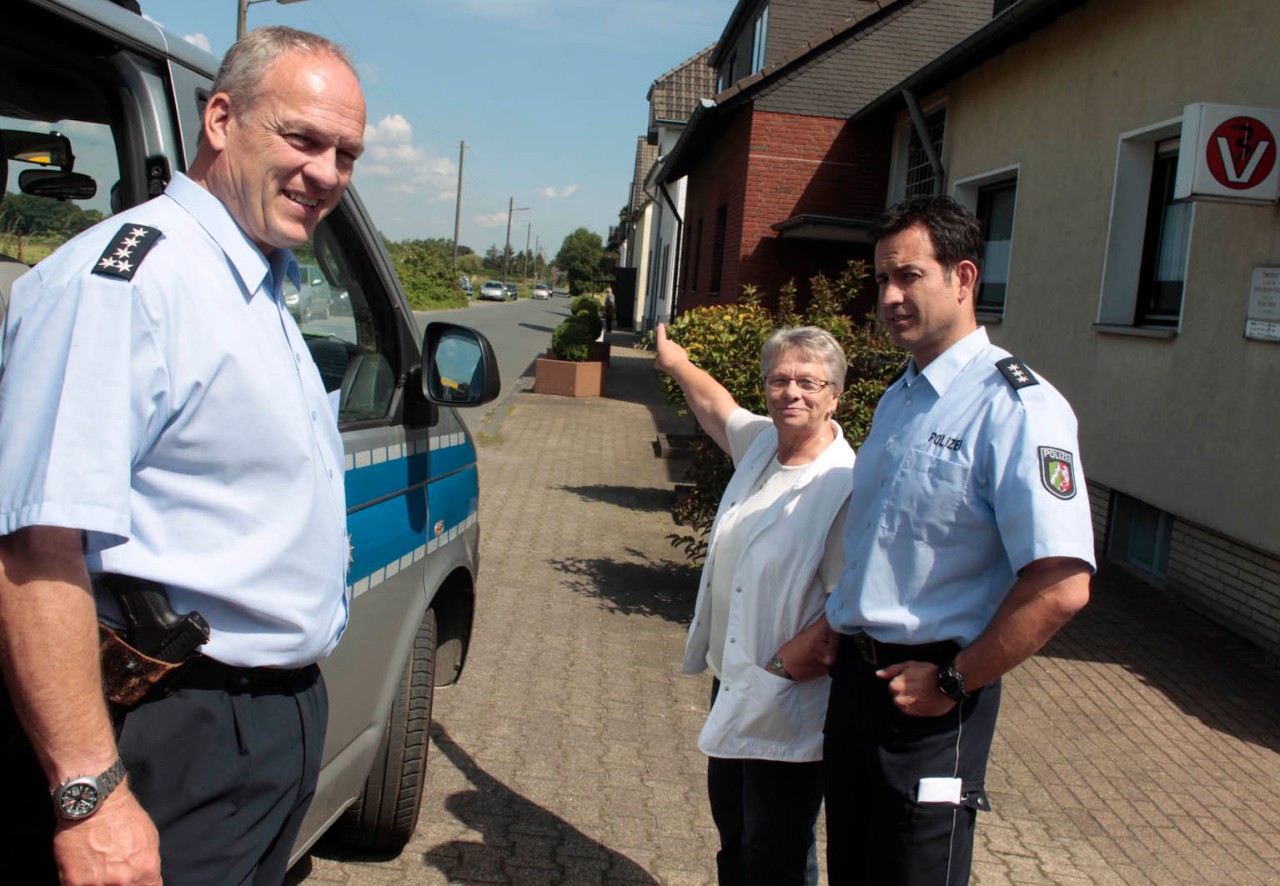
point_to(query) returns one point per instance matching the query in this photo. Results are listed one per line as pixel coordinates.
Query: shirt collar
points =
(946, 366)
(255, 270)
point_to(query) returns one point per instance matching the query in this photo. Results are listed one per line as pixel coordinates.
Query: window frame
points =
(1127, 230)
(969, 192)
(900, 161)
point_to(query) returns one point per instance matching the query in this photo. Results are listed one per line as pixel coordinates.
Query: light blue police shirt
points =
(178, 420)
(963, 481)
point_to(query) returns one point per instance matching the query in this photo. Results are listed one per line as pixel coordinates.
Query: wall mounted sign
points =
(1228, 153)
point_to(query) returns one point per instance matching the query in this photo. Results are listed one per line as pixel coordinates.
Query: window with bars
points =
(919, 172)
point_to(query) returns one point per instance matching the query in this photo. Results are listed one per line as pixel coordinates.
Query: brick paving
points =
(1141, 747)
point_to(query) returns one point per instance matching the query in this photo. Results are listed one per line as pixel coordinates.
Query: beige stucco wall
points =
(1189, 424)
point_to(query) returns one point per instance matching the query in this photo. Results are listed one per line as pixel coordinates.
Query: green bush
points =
(572, 339)
(725, 340)
(584, 303)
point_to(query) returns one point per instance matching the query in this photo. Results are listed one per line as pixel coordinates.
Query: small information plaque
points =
(1263, 320)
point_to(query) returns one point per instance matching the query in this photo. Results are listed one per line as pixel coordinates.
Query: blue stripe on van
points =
(392, 517)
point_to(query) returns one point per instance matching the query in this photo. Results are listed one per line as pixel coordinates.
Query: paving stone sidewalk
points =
(1143, 746)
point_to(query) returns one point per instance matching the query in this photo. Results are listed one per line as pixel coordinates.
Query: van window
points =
(343, 311)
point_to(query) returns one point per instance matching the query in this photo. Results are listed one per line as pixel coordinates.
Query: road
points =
(519, 331)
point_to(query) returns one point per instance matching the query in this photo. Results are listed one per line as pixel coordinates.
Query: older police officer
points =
(161, 418)
(968, 544)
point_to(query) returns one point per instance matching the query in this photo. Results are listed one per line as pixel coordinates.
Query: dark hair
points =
(240, 74)
(955, 232)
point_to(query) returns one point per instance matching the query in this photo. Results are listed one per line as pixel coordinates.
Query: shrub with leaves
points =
(725, 341)
(572, 339)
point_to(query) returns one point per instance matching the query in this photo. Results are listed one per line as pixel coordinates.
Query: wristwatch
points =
(951, 682)
(776, 667)
(80, 796)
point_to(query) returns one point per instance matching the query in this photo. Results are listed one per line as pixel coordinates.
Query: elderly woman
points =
(773, 556)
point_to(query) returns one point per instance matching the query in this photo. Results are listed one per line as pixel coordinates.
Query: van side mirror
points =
(459, 366)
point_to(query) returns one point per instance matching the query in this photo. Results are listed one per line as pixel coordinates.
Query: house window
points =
(717, 248)
(691, 270)
(1149, 237)
(919, 172)
(995, 209)
(758, 39)
(1164, 248)
(727, 75)
(1140, 534)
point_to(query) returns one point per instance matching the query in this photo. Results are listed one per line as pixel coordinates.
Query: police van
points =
(98, 108)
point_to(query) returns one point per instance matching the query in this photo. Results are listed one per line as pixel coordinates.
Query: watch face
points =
(77, 800)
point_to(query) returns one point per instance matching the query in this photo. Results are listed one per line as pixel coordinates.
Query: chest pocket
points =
(927, 499)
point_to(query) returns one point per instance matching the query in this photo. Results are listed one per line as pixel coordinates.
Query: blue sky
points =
(549, 96)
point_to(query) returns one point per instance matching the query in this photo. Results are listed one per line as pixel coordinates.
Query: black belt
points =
(207, 673)
(881, 655)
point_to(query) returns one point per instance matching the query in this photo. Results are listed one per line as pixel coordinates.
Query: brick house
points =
(780, 185)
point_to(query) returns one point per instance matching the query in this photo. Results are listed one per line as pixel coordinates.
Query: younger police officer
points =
(161, 418)
(968, 543)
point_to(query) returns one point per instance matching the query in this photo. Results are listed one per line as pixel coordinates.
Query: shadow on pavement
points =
(1209, 672)
(520, 841)
(638, 586)
(634, 498)
(536, 328)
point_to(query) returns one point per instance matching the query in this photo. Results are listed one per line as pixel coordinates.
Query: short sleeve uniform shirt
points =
(968, 475)
(174, 414)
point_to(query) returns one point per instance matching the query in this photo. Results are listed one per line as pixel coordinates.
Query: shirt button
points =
(739, 590)
(331, 473)
(908, 402)
(313, 415)
(732, 640)
(297, 358)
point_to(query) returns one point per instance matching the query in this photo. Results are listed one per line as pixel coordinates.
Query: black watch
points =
(951, 682)
(80, 796)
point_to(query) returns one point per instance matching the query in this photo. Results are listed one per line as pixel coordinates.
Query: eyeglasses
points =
(808, 385)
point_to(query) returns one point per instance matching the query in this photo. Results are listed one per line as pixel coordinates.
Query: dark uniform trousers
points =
(225, 766)
(873, 759)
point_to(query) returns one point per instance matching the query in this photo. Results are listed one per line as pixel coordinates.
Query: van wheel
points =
(386, 814)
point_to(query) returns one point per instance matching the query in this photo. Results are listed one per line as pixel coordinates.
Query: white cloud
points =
(199, 40)
(493, 220)
(558, 193)
(391, 153)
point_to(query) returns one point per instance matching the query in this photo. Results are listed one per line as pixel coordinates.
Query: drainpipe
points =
(922, 131)
(679, 245)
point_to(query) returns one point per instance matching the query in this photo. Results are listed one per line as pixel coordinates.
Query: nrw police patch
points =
(122, 257)
(1057, 473)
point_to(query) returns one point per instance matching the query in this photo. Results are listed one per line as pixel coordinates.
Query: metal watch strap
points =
(102, 786)
(776, 667)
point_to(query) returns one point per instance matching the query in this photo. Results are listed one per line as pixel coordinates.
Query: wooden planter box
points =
(566, 378)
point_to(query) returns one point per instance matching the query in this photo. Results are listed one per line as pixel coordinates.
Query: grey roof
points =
(646, 156)
(673, 95)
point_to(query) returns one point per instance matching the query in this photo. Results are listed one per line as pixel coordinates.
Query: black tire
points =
(386, 814)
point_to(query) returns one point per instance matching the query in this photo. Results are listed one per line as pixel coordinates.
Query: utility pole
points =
(512, 208)
(457, 210)
(527, 233)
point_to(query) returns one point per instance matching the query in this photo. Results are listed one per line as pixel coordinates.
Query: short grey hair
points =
(240, 74)
(810, 342)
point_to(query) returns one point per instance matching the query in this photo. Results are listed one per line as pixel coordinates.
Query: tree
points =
(579, 257)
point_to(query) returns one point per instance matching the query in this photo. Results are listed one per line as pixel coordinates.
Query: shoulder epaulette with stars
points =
(130, 244)
(1016, 373)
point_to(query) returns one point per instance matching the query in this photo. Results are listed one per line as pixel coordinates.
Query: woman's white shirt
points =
(773, 555)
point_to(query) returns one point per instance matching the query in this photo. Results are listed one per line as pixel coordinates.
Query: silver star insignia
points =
(124, 265)
(107, 263)
(138, 232)
(123, 252)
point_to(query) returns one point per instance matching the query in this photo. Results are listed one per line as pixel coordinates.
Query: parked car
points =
(512, 292)
(561, 292)
(493, 290)
(542, 290)
(314, 300)
(130, 94)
